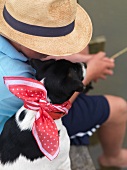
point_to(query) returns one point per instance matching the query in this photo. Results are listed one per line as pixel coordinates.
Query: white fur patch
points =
(61, 162)
(83, 70)
(42, 81)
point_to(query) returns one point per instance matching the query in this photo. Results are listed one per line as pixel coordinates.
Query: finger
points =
(101, 53)
(109, 72)
(103, 77)
(109, 65)
(108, 59)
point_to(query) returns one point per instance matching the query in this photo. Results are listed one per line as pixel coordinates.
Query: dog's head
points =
(61, 78)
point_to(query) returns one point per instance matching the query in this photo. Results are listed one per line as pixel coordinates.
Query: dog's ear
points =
(35, 63)
(39, 65)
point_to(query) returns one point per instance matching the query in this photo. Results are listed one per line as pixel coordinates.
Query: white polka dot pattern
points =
(34, 95)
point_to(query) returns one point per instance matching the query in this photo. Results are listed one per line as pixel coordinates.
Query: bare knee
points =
(118, 109)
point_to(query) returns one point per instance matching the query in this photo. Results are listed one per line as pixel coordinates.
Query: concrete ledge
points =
(80, 158)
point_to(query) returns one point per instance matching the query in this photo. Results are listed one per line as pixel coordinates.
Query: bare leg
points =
(111, 134)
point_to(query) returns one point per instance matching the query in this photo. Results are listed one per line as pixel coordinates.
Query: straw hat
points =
(53, 27)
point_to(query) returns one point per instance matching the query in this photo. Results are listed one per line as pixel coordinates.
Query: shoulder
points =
(14, 67)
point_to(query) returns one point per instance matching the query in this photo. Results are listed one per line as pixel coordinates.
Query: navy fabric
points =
(37, 30)
(86, 115)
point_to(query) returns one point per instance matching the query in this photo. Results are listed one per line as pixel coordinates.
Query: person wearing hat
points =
(38, 29)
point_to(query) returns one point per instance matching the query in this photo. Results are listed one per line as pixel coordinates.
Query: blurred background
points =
(109, 18)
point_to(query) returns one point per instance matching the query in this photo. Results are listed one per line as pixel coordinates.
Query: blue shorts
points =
(86, 115)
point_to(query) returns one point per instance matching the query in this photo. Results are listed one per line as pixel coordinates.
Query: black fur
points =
(14, 142)
(62, 79)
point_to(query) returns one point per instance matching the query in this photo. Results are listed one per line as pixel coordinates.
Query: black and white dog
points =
(18, 148)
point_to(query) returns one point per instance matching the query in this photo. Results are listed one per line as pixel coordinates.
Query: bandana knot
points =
(44, 129)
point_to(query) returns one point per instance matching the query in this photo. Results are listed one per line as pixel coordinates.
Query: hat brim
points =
(72, 43)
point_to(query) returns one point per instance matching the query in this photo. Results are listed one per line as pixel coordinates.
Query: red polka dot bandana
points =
(34, 95)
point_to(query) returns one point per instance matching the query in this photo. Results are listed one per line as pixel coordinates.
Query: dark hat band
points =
(37, 30)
